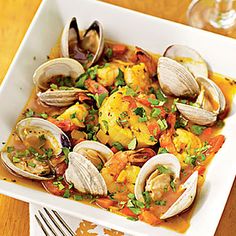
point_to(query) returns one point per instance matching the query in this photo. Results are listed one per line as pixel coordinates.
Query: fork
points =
(55, 222)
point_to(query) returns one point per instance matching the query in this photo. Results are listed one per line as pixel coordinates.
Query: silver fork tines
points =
(54, 221)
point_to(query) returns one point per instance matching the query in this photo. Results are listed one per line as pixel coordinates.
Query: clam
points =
(148, 173)
(154, 181)
(64, 69)
(175, 79)
(189, 58)
(95, 152)
(209, 103)
(31, 131)
(86, 48)
(186, 199)
(84, 175)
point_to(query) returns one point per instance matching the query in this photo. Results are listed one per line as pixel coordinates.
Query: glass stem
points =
(223, 15)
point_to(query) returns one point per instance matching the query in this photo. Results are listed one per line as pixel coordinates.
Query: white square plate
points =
(132, 28)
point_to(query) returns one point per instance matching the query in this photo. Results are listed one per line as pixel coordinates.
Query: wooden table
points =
(15, 18)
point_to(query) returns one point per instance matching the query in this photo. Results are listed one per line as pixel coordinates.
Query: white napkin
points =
(73, 222)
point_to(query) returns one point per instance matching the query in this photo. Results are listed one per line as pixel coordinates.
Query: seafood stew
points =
(130, 131)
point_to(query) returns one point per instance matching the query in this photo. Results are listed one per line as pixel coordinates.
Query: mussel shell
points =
(65, 67)
(84, 175)
(189, 58)
(196, 115)
(175, 79)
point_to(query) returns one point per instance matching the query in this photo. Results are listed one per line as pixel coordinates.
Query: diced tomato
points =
(105, 202)
(132, 103)
(154, 129)
(119, 49)
(126, 211)
(144, 101)
(207, 132)
(114, 150)
(200, 169)
(94, 87)
(149, 218)
(51, 188)
(215, 144)
(65, 125)
(61, 168)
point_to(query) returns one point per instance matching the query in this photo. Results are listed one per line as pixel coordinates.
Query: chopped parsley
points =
(132, 145)
(163, 170)
(197, 129)
(67, 193)
(160, 203)
(162, 150)
(118, 146)
(120, 79)
(10, 149)
(155, 112)
(162, 124)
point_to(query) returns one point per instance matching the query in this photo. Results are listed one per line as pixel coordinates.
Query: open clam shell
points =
(65, 67)
(214, 93)
(186, 199)
(94, 151)
(189, 58)
(37, 126)
(78, 46)
(196, 115)
(84, 175)
(168, 160)
(175, 79)
(12, 168)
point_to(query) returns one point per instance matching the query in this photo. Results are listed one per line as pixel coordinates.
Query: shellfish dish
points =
(120, 128)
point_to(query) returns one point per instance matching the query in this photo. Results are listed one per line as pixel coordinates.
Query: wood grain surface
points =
(15, 18)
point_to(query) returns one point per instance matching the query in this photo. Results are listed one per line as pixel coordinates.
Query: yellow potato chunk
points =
(76, 113)
(121, 123)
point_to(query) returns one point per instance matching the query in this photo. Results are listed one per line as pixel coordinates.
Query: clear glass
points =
(214, 15)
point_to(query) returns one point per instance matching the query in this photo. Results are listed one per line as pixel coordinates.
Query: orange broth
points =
(178, 223)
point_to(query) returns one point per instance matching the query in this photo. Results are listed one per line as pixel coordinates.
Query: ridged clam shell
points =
(150, 166)
(96, 146)
(186, 199)
(175, 79)
(189, 58)
(59, 98)
(8, 163)
(84, 175)
(196, 115)
(56, 67)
